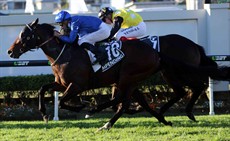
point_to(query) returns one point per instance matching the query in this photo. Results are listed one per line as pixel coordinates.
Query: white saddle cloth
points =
(92, 58)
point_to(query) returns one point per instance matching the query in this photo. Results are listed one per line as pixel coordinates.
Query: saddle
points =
(152, 41)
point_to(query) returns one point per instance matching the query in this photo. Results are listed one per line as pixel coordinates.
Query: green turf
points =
(127, 128)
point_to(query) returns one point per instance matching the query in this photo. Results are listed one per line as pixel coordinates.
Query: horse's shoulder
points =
(77, 51)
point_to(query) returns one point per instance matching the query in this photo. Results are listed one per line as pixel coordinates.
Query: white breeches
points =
(131, 32)
(102, 33)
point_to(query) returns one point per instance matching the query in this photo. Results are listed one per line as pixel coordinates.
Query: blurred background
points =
(78, 6)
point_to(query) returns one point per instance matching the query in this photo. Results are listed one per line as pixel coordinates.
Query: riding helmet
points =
(105, 11)
(62, 16)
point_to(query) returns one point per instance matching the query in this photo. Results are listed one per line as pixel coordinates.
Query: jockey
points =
(87, 29)
(126, 23)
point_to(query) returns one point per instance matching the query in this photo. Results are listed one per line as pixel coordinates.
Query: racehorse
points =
(177, 47)
(73, 70)
(179, 61)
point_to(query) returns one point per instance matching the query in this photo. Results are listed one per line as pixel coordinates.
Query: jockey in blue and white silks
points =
(88, 29)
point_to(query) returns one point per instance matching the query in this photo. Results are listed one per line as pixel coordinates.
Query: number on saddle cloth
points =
(152, 41)
(113, 52)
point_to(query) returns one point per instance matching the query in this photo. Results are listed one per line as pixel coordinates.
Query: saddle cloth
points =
(114, 53)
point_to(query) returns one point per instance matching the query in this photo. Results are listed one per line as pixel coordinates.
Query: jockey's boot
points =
(98, 54)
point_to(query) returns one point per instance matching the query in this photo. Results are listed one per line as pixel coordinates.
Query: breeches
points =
(102, 33)
(132, 32)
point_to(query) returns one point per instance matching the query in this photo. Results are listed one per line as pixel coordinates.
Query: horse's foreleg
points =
(139, 97)
(52, 86)
(70, 92)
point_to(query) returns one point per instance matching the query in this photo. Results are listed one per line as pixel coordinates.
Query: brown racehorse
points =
(74, 74)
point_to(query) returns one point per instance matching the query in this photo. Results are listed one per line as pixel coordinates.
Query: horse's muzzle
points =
(11, 54)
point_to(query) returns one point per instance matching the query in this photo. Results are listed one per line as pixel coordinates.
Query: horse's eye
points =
(28, 38)
(21, 50)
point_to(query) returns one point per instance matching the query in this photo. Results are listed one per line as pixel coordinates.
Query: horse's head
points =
(31, 37)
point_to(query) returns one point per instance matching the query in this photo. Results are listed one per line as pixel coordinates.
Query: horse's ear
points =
(35, 22)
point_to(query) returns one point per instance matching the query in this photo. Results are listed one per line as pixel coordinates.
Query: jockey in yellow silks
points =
(126, 23)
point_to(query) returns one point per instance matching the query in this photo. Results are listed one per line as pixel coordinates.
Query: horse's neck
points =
(55, 52)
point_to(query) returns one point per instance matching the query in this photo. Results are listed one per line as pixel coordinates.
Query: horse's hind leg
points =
(179, 93)
(116, 106)
(125, 96)
(70, 92)
(196, 93)
(116, 99)
(139, 97)
(102, 106)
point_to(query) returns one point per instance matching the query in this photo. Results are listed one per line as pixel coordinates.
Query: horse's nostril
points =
(9, 51)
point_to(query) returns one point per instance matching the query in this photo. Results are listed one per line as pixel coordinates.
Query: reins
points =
(42, 44)
(55, 61)
(45, 42)
(52, 64)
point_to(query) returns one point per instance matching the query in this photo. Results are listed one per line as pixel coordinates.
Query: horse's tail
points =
(204, 59)
(208, 68)
(217, 72)
(223, 74)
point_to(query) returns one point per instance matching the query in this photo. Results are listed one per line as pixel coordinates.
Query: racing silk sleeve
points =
(130, 18)
(117, 25)
(73, 33)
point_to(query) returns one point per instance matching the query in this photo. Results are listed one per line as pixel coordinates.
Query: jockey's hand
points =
(57, 34)
(108, 39)
(112, 39)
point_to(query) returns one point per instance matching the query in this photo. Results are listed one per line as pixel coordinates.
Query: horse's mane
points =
(48, 27)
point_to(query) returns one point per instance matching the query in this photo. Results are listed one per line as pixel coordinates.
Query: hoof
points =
(46, 118)
(107, 126)
(88, 116)
(191, 116)
(169, 123)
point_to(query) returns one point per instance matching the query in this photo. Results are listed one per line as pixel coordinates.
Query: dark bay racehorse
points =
(181, 50)
(188, 52)
(179, 63)
(74, 74)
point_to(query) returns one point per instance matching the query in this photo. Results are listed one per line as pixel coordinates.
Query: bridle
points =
(34, 36)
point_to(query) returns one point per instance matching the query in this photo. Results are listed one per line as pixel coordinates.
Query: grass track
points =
(127, 128)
